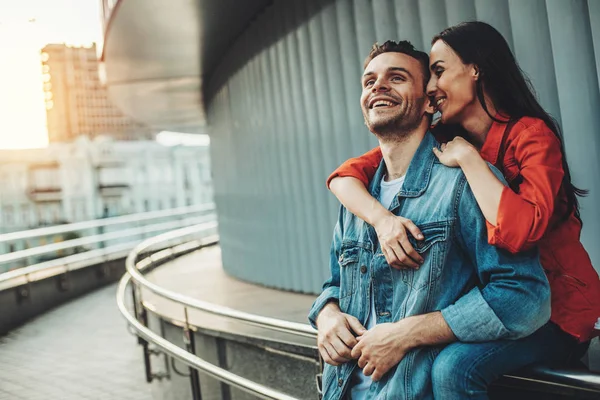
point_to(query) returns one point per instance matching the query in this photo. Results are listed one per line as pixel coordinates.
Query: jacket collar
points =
(418, 173)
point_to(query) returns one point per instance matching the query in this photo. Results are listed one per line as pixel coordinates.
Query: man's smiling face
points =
(393, 97)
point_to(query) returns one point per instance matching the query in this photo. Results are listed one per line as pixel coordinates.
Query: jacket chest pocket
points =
(433, 249)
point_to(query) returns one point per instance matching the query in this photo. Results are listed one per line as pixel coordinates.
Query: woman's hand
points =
(393, 239)
(454, 152)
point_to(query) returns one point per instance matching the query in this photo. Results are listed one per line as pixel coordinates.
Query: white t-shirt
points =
(387, 193)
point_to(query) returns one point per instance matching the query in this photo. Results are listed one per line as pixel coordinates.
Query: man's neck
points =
(399, 151)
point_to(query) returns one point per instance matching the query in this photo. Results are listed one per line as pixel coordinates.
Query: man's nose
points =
(380, 86)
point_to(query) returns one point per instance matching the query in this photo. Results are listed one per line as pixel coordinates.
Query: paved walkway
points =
(78, 351)
(82, 350)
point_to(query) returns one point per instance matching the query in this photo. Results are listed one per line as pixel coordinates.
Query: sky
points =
(26, 26)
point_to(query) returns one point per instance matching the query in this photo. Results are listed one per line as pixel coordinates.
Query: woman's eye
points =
(438, 72)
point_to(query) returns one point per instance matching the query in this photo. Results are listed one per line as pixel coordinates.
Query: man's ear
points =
(429, 107)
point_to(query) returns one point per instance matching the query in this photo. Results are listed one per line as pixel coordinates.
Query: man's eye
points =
(397, 78)
(369, 83)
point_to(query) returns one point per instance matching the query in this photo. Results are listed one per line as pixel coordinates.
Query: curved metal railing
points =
(134, 276)
(135, 268)
(104, 246)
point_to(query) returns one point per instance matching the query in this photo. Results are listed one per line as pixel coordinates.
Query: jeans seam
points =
(478, 360)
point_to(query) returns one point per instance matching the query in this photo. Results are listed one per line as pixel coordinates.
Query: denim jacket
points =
(484, 293)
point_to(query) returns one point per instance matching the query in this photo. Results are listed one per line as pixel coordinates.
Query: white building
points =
(84, 180)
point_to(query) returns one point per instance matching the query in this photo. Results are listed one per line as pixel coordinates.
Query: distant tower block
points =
(77, 102)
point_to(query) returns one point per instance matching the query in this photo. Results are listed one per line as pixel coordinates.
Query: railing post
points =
(190, 344)
(144, 343)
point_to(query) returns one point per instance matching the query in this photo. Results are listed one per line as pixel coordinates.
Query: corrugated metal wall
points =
(284, 112)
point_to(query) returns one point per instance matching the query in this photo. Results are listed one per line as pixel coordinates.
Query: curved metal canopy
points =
(156, 54)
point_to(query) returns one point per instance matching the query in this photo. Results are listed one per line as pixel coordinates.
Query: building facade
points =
(85, 180)
(77, 102)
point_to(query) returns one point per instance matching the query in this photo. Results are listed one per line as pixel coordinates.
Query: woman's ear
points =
(475, 72)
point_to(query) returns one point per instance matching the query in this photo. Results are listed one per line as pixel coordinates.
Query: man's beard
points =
(396, 126)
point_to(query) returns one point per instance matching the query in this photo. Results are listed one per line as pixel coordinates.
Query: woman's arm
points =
(348, 183)
(486, 187)
(516, 220)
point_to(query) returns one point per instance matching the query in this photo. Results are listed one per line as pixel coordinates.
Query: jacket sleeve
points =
(513, 299)
(362, 168)
(539, 157)
(331, 287)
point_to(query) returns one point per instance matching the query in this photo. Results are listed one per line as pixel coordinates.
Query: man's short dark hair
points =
(404, 47)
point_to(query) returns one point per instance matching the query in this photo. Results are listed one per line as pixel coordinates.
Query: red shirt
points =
(531, 212)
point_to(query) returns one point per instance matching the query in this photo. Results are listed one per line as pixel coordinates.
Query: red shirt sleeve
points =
(362, 168)
(524, 217)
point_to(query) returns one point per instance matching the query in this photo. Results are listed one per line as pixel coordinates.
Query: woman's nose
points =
(431, 87)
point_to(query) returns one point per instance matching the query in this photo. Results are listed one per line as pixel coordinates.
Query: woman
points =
(477, 85)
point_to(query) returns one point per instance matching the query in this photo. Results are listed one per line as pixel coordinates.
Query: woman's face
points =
(452, 84)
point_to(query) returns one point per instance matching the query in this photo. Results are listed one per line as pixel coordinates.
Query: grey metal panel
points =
(460, 11)
(529, 21)
(579, 100)
(594, 9)
(409, 23)
(351, 72)
(433, 20)
(495, 13)
(284, 111)
(384, 17)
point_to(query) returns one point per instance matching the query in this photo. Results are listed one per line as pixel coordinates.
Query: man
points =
(465, 290)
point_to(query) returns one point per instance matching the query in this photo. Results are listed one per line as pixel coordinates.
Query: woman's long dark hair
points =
(509, 89)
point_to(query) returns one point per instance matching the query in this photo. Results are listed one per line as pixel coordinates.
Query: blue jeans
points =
(465, 370)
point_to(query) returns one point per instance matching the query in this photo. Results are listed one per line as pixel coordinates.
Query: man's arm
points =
(514, 300)
(336, 331)
(331, 287)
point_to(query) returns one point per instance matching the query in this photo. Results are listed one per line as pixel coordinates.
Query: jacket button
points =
(340, 382)
(363, 269)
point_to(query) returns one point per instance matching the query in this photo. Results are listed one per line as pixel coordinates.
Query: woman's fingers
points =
(413, 229)
(390, 256)
(401, 253)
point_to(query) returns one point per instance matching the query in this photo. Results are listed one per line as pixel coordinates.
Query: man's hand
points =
(336, 334)
(381, 348)
(393, 239)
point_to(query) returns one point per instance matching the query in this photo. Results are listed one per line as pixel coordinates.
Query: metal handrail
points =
(92, 239)
(190, 359)
(78, 226)
(134, 276)
(65, 262)
(107, 252)
(294, 328)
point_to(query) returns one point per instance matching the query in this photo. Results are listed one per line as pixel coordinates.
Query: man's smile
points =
(382, 102)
